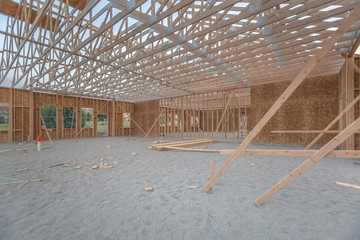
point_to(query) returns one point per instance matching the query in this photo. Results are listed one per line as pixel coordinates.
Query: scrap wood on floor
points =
(184, 144)
(65, 164)
(21, 185)
(348, 185)
(23, 149)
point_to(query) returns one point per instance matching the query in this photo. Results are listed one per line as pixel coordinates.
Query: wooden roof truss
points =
(140, 50)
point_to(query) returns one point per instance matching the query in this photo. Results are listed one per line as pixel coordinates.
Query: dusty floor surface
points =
(111, 203)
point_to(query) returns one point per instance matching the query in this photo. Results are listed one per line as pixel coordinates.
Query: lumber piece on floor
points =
(21, 185)
(294, 153)
(164, 147)
(175, 143)
(22, 170)
(59, 164)
(188, 149)
(192, 187)
(9, 183)
(308, 131)
(149, 189)
(212, 173)
(6, 150)
(348, 185)
(333, 143)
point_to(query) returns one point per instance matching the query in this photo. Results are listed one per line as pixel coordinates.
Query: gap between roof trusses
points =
(140, 50)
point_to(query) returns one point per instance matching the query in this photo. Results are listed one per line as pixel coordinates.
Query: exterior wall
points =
(25, 119)
(311, 107)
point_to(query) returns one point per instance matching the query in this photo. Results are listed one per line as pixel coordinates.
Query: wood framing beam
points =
(79, 4)
(10, 8)
(97, 33)
(347, 132)
(307, 131)
(287, 93)
(293, 153)
(354, 47)
(350, 62)
(62, 35)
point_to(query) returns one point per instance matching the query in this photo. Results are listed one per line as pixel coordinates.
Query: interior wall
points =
(145, 114)
(311, 107)
(25, 115)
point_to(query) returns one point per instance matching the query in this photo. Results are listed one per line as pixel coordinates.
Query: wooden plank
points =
(11, 116)
(333, 143)
(349, 93)
(212, 173)
(288, 92)
(293, 153)
(188, 149)
(182, 117)
(112, 115)
(193, 143)
(12, 9)
(21, 185)
(47, 132)
(354, 47)
(182, 142)
(307, 131)
(348, 185)
(222, 118)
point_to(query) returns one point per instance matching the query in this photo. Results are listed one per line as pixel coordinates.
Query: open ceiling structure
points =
(141, 50)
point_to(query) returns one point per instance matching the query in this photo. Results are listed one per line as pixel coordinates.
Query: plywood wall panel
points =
(145, 113)
(311, 107)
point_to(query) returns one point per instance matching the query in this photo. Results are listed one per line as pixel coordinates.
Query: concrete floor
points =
(111, 203)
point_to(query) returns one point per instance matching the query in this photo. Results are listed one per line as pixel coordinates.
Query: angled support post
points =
(355, 14)
(336, 141)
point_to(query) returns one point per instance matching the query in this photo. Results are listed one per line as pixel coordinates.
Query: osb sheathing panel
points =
(145, 114)
(3, 136)
(311, 107)
(4, 95)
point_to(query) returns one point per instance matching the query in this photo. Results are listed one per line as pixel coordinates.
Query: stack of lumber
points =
(186, 144)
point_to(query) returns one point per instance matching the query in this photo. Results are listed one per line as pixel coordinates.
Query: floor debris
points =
(21, 185)
(149, 189)
(65, 164)
(23, 170)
